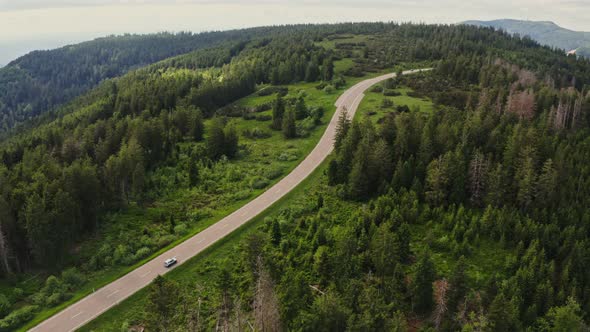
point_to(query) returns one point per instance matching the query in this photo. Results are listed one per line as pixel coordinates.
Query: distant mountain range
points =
(544, 32)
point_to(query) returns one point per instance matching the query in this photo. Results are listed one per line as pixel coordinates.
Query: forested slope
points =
(510, 121)
(471, 217)
(37, 82)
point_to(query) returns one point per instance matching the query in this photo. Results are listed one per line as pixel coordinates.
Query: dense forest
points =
(502, 159)
(41, 80)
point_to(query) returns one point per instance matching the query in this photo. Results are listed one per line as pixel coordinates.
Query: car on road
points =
(170, 261)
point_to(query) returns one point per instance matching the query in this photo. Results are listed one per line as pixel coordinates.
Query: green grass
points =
(371, 104)
(347, 38)
(486, 259)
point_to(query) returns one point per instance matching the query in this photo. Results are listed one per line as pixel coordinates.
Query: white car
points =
(170, 261)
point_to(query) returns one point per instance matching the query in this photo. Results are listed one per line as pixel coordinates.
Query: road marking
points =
(113, 293)
(145, 274)
(200, 241)
(78, 314)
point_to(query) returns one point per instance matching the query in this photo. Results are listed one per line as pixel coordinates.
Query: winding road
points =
(88, 308)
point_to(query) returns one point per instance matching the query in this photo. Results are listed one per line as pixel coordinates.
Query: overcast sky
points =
(40, 24)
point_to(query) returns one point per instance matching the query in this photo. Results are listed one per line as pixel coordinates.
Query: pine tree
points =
(422, 286)
(276, 233)
(312, 72)
(193, 172)
(546, 184)
(458, 283)
(216, 139)
(163, 297)
(301, 111)
(358, 180)
(278, 111)
(198, 126)
(231, 141)
(437, 181)
(289, 126)
(327, 69)
(342, 128)
(503, 315)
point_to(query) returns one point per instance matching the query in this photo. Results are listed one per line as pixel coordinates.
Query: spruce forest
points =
(456, 199)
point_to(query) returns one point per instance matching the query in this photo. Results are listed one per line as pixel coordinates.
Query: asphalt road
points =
(110, 295)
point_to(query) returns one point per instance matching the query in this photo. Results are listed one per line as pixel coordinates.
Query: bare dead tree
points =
(521, 104)
(266, 305)
(440, 297)
(485, 99)
(224, 313)
(562, 114)
(238, 316)
(577, 111)
(194, 313)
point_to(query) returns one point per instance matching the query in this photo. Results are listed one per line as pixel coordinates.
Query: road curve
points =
(88, 308)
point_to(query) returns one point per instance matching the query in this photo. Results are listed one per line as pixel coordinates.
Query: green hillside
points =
(456, 200)
(546, 33)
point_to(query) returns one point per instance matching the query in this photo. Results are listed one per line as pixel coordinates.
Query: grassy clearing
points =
(372, 105)
(342, 39)
(486, 259)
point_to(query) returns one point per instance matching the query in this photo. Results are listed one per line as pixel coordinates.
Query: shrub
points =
(288, 156)
(390, 83)
(258, 182)
(403, 108)
(165, 240)
(18, 317)
(196, 215)
(263, 117)
(321, 86)
(52, 285)
(415, 94)
(305, 126)
(240, 195)
(273, 173)
(391, 93)
(4, 305)
(376, 88)
(329, 89)
(281, 90)
(180, 229)
(339, 82)
(39, 298)
(386, 103)
(263, 107)
(120, 254)
(55, 299)
(256, 133)
(72, 277)
(17, 294)
(316, 114)
(142, 253)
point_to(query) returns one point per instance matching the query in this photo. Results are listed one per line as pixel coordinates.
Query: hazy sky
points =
(39, 24)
